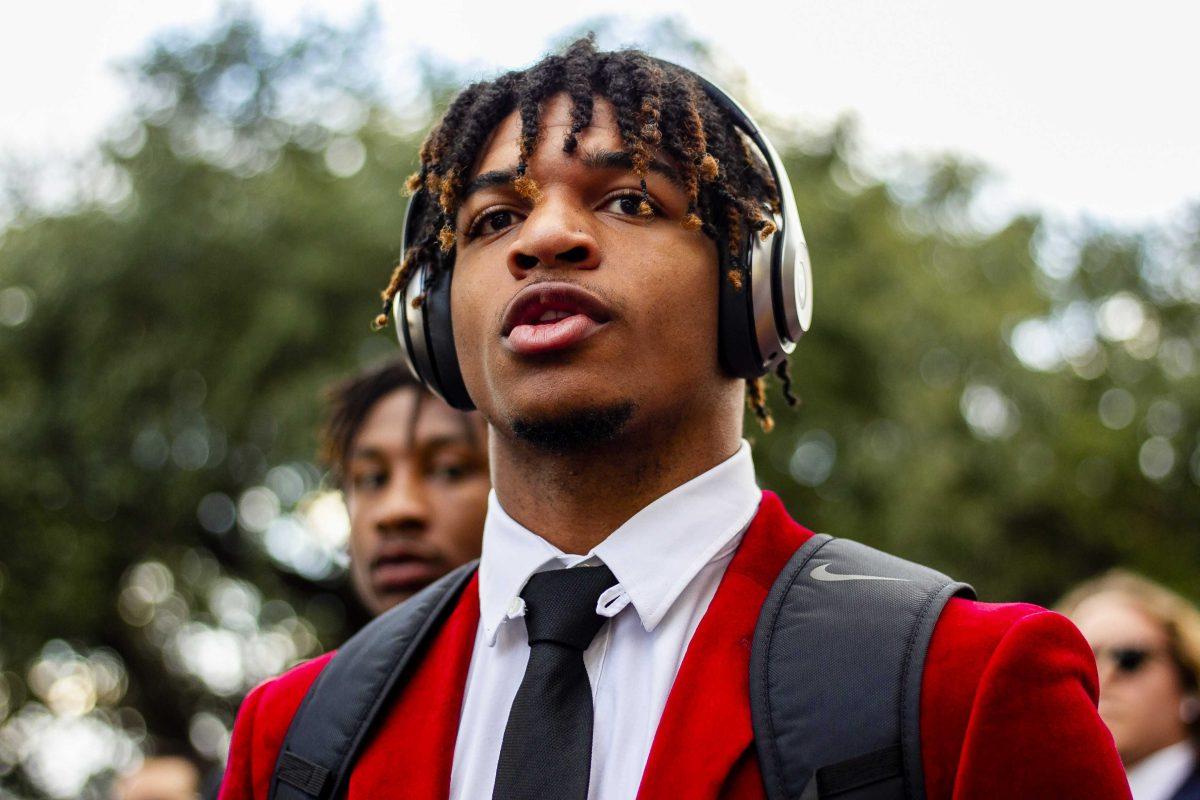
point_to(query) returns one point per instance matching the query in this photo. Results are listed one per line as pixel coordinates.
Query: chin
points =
(568, 430)
(557, 390)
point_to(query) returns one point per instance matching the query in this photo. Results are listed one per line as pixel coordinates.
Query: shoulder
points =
(1007, 684)
(1008, 690)
(262, 722)
(978, 644)
(279, 697)
(1190, 790)
(970, 634)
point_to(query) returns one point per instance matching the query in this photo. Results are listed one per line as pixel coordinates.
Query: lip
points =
(585, 314)
(396, 576)
(398, 567)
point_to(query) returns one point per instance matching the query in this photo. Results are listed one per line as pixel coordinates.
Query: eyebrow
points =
(497, 177)
(433, 443)
(594, 159)
(617, 159)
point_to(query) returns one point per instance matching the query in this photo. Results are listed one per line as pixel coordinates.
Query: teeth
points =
(553, 315)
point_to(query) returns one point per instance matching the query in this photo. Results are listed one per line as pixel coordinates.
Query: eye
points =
(450, 472)
(452, 468)
(364, 481)
(490, 222)
(628, 203)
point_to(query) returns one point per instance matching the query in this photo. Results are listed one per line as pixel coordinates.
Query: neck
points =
(1139, 757)
(575, 500)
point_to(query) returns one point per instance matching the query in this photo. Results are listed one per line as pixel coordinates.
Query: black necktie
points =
(547, 748)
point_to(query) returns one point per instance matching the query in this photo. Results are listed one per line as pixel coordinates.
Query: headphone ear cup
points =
(426, 330)
(792, 290)
(439, 333)
(426, 336)
(737, 343)
(1189, 709)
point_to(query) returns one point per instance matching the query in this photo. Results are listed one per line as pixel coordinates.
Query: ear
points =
(1189, 709)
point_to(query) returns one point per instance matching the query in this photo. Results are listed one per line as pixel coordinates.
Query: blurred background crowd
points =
(1011, 399)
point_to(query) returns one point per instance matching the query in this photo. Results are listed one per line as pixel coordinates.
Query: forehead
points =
(1110, 619)
(502, 149)
(407, 418)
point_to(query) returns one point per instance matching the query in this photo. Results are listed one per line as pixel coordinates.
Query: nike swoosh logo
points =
(822, 573)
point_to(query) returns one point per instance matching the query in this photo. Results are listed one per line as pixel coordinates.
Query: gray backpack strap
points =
(835, 673)
(331, 726)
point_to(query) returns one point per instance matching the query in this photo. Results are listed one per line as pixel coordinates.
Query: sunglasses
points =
(1126, 660)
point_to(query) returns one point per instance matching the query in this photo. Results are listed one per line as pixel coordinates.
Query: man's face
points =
(575, 303)
(1140, 686)
(416, 490)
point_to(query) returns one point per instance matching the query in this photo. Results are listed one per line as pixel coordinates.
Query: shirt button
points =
(516, 608)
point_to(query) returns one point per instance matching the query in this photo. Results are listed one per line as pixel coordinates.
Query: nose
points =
(404, 508)
(555, 235)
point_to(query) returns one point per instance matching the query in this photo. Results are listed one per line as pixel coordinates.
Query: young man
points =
(414, 475)
(602, 649)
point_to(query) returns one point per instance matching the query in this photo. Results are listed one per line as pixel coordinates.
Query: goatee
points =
(576, 432)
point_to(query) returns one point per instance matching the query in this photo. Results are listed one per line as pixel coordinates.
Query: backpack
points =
(840, 616)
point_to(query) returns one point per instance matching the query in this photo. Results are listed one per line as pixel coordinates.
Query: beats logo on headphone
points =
(759, 324)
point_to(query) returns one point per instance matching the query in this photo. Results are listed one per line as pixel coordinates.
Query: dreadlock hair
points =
(349, 402)
(657, 107)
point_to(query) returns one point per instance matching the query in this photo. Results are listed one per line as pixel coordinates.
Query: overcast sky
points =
(1078, 107)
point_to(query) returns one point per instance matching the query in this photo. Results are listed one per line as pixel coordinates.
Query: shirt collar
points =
(654, 555)
(1159, 775)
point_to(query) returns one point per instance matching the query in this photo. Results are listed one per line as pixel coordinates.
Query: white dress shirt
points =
(668, 560)
(1159, 776)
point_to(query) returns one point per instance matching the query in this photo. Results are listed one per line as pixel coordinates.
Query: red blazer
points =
(1008, 704)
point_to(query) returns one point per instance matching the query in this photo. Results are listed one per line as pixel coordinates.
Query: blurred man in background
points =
(1147, 644)
(414, 474)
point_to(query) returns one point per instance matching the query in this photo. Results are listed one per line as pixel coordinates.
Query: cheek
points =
(678, 307)
(472, 301)
(1144, 701)
(1161, 687)
(361, 530)
(461, 528)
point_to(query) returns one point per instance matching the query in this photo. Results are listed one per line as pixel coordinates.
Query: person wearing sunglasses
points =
(1147, 644)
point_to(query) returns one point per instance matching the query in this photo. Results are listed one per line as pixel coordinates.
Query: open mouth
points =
(550, 316)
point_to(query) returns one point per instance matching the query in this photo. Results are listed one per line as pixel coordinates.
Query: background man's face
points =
(650, 342)
(416, 490)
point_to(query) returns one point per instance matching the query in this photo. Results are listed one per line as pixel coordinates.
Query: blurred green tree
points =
(1016, 406)
(164, 347)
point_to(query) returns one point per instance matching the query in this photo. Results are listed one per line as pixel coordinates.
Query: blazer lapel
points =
(413, 752)
(706, 729)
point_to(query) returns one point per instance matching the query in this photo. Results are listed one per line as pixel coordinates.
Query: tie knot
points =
(560, 605)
